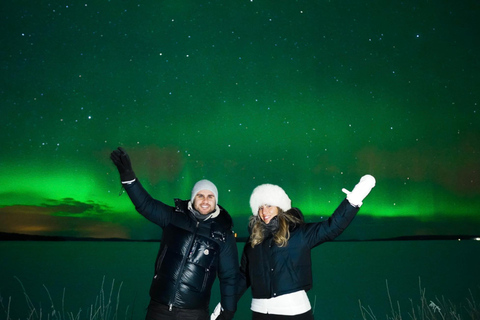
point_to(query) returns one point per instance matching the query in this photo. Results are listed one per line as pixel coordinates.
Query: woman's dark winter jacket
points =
(272, 271)
(191, 253)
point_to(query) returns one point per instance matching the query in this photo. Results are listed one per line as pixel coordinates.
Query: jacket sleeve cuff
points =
(129, 181)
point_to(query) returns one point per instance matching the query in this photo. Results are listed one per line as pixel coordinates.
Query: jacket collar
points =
(212, 215)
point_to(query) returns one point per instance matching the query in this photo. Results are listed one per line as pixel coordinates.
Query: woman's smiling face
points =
(267, 213)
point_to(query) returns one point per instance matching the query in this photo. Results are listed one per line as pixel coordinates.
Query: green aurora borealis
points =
(309, 95)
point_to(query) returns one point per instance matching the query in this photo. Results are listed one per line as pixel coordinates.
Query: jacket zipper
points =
(270, 269)
(177, 283)
(207, 275)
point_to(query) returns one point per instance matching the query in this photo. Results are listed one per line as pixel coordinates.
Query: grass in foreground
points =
(104, 308)
(437, 309)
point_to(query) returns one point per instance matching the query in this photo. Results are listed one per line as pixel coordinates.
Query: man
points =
(197, 244)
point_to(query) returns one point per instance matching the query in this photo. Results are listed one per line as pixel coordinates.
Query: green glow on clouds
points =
(306, 95)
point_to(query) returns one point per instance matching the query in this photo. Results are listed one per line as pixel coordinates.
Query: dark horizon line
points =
(5, 236)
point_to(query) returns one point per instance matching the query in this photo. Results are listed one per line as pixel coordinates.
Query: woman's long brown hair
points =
(281, 236)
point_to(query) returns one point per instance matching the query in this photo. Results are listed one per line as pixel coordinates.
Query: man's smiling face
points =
(205, 202)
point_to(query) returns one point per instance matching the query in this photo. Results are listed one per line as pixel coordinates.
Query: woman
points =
(276, 260)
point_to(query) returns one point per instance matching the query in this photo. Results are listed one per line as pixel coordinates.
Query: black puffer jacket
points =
(191, 253)
(272, 271)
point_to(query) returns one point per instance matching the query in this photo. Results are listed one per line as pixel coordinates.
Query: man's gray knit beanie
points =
(204, 185)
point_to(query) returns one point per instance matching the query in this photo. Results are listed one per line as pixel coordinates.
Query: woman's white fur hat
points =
(269, 194)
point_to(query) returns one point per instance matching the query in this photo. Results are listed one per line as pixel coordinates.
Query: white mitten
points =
(361, 190)
(216, 312)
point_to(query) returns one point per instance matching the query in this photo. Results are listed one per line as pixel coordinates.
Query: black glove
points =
(121, 159)
(225, 315)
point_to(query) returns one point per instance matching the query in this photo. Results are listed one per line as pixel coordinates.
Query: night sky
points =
(309, 95)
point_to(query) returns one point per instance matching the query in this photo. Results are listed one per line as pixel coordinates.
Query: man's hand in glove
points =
(361, 190)
(225, 315)
(121, 159)
(220, 314)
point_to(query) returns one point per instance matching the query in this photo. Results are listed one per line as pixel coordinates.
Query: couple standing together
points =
(198, 244)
